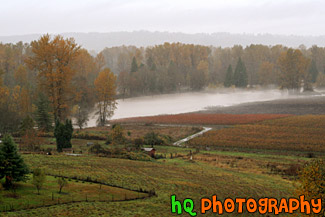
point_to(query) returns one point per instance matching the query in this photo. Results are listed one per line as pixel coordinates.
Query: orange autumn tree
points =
(53, 60)
(105, 86)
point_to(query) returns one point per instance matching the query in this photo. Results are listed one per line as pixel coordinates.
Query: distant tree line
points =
(183, 67)
(53, 78)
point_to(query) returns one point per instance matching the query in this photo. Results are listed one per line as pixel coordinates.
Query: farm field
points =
(296, 133)
(200, 118)
(241, 169)
(131, 132)
(167, 176)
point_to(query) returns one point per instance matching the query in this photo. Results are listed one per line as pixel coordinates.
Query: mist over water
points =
(187, 102)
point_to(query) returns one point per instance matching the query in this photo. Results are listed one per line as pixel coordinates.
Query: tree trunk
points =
(8, 182)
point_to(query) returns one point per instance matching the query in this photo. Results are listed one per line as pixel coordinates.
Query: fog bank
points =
(188, 102)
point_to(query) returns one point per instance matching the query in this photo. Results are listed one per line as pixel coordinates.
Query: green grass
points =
(168, 176)
(227, 172)
(25, 195)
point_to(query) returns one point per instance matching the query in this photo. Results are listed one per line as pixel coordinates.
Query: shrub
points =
(152, 139)
(292, 170)
(96, 149)
(39, 179)
(310, 155)
(109, 140)
(117, 134)
(138, 142)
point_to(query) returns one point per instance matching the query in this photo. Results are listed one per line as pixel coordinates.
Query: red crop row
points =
(198, 118)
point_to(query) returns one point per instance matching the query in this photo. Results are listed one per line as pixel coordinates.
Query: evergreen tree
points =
(229, 77)
(63, 134)
(68, 133)
(12, 166)
(26, 125)
(313, 72)
(43, 116)
(240, 75)
(134, 65)
(151, 64)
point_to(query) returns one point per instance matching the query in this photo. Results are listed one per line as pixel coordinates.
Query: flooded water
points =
(187, 102)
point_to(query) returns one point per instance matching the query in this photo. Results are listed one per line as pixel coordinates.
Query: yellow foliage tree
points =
(294, 67)
(312, 182)
(105, 86)
(53, 60)
(21, 75)
(266, 73)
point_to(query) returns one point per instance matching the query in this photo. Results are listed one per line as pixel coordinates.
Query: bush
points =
(96, 149)
(160, 156)
(166, 139)
(310, 155)
(292, 170)
(117, 134)
(152, 139)
(109, 140)
(138, 142)
(88, 136)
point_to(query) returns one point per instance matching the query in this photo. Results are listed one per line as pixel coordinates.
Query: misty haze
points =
(191, 102)
(162, 108)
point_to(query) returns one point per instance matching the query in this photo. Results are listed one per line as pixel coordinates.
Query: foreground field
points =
(238, 161)
(170, 176)
(198, 118)
(26, 197)
(296, 133)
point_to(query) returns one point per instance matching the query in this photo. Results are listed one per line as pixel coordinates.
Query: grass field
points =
(25, 196)
(170, 176)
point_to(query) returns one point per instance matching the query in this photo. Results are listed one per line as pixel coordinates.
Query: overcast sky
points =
(298, 17)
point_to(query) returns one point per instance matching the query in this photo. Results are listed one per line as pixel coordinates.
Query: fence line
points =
(10, 207)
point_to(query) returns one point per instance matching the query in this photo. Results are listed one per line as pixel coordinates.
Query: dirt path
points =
(180, 142)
